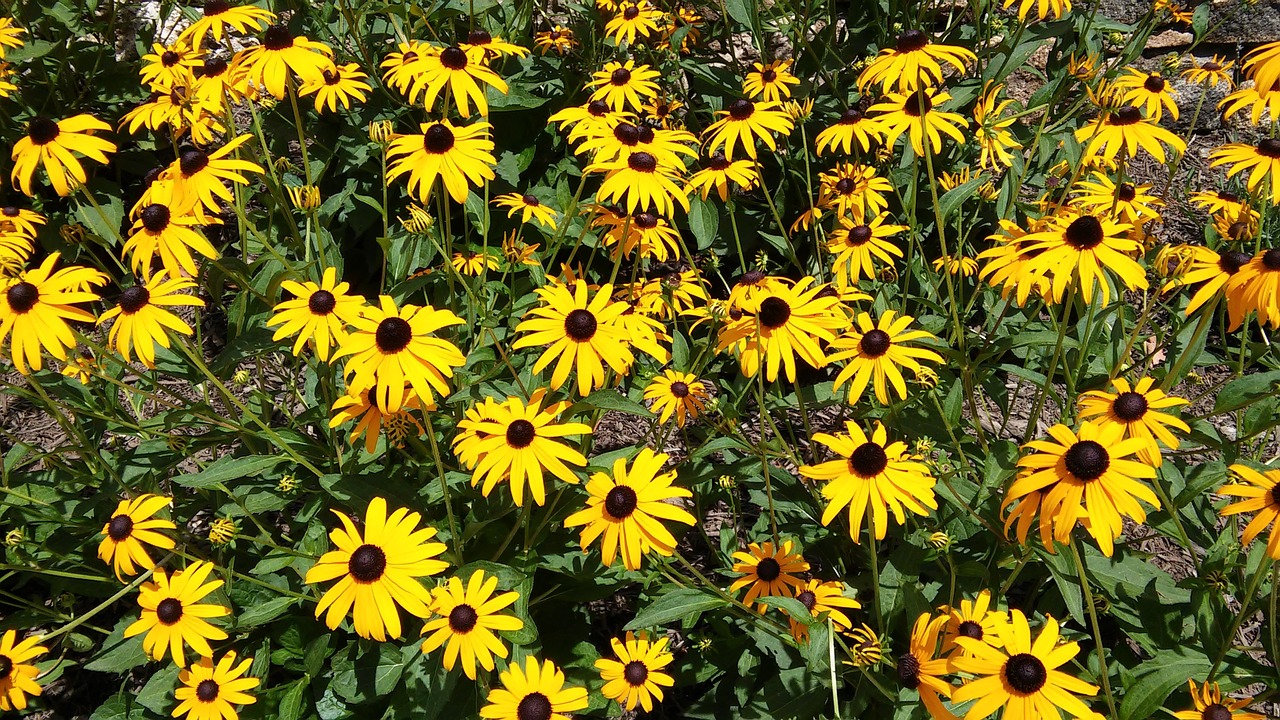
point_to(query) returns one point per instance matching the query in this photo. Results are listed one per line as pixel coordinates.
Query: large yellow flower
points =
(1255, 287)
(132, 527)
(1084, 251)
(1126, 129)
(534, 692)
(872, 477)
(209, 691)
(462, 72)
(35, 308)
(379, 571)
(465, 621)
(913, 62)
(1137, 408)
(19, 677)
(624, 85)
(173, 616)
(624, 510)
(636, 677)
(875, 350)
(1262, 496)
(920, 670)
(1262, 161)
(51, 144)
(769, 571)
(915, 113)
(269, 64)
(319, 313)
(579, 332)
(781, 324)
(460, 155)
(141, 317)
(742, 123)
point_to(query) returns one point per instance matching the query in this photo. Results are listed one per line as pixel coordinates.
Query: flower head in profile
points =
(1261, 161)
(529, 207)
(10, 37)
(197, 178)
(1043, 8)
(210, 691)
(466, 620)
(992, 132)
(825, 600)
(872, 478)
(372, 421)
(173, 616)
(919, 669)
(219, 15)
(913, 62)
(377, 571)
(625, 509)
(19, 677)
(635, 678)
(1256, 288)
(54, 146)
(132, 527)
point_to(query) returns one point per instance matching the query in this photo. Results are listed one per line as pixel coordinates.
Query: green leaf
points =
(704, 221)
(1144, 696)
(226, 469)
(1247, 390)
(792, 607)
(264, 612)
(115, 708)
(291, 703)
(743, 12)
(951, 201)
(157, 694)
(613, 400)
(679, 604)
(374, 674)
(118, 653)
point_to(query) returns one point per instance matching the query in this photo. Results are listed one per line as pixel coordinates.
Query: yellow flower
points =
(19, 678)
(770, 82)
(173, 616)
(209, 691)
(465, 621)
(51, 144)
(132, 527)
(636, 677)
(913, 62)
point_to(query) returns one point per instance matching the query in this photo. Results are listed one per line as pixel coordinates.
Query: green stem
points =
(1103, 673)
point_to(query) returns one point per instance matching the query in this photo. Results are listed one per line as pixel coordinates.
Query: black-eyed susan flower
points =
(875, 350)
(219, 15)
(19, 677)
(916, 114)
(466, 620)
(1126, 129)
(1262, 65)
(579, 331)
(641, 182)
(173, 616)
(459, 155)
(1086, 251)
(1211, 271)
(825, 600)
(627, 138)
(770, 82)
(1257, 103)
(853, 126)
(644, 233)
(492, 45)
(51, 144)
(781, 324)
(211, 691)
(463, 72)
(872, 477)
(1092, 479)
(558, 39)
(744, 122)
(1148, 91)
(1208, 705)
(1125, 202)
(768, 571)
(164, 229)
(132, 527)
(677, 393)
(536, 691)
(637, 19)
(372, 421)
(520, 442)
(20, 221)
(1023, 677)
(592, 120)
(624, 85)
(1005, 264)
(337, 84)
(857, 246)
(856, 189)
(866, 649)
(169, 67)
(661, 111)
(392, 346)
(402, 67)
(379, 571)
(518, 252)
(1043, 8)
(972, 619)
(959, 265)
(722, 175)
(1210, 73)
(920, 670)
(1255, 287)
(10, 37)
(529, 207)
(995, 140)
(218, 80)
(635, 678)
(1261, 160)
(198, 177)
(913, 62)
(142, 320)
(36, 305)
(473, 264)
(269, 64)
(625, 509)
(1137, 408)
(1261, 495)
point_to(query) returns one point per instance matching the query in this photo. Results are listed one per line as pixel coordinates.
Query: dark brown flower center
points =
(768, 76)
(521, 433)
(718, 162)
(134, 299)
(213, 67)
(741, 109)
(868, 460)
(911, 40)
(808, 600)
(909, 671)
(845, 185)
(631, 13)
(1238, 230)
(642, 162)
(635, 673)
(367, 563)
(859, 235)
(1270, 147)
(479, 37)
(852, 116)
(277, 37)
(621, 76)
(875, 343)
(1271, 259)
(774, 312)
(331, 77)
(752, 277)
(1231, 261)
(6, 666)
(580, 325)
(1125, 116)
(1275, 494)
(970, 629)
(215, 7)
(462, 618)
(393, 335)
(438, 139)
(207, 691)
(626, 133)
(620, 502)
(1130, 406)
(645, 220)
(1153, 83)
(155, 217)
(169, 58)
(1228, 196)
(917, 104)
(10, 211)
(453, 58)
(42, 130)
(1126, 192)
(1216, 711)
(555, 35)
(1025, 673)
(680, 389)
(530, 200)
(1211, 66)
(22, 297)
(768, 569)
(534, 706)
(120, 527)
(321, 302)
(598, 108)
(192, 161)
(1084, 233)
(1087, 460)
(169, 611)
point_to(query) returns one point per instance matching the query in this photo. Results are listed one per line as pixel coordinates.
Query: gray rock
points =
(1243, 24)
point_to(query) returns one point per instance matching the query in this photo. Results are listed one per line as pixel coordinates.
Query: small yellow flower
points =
(940, 540)
(287, 484)
(419, 221)
(305, 197)
(222, 531)
(381, 131)
(865, 647)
